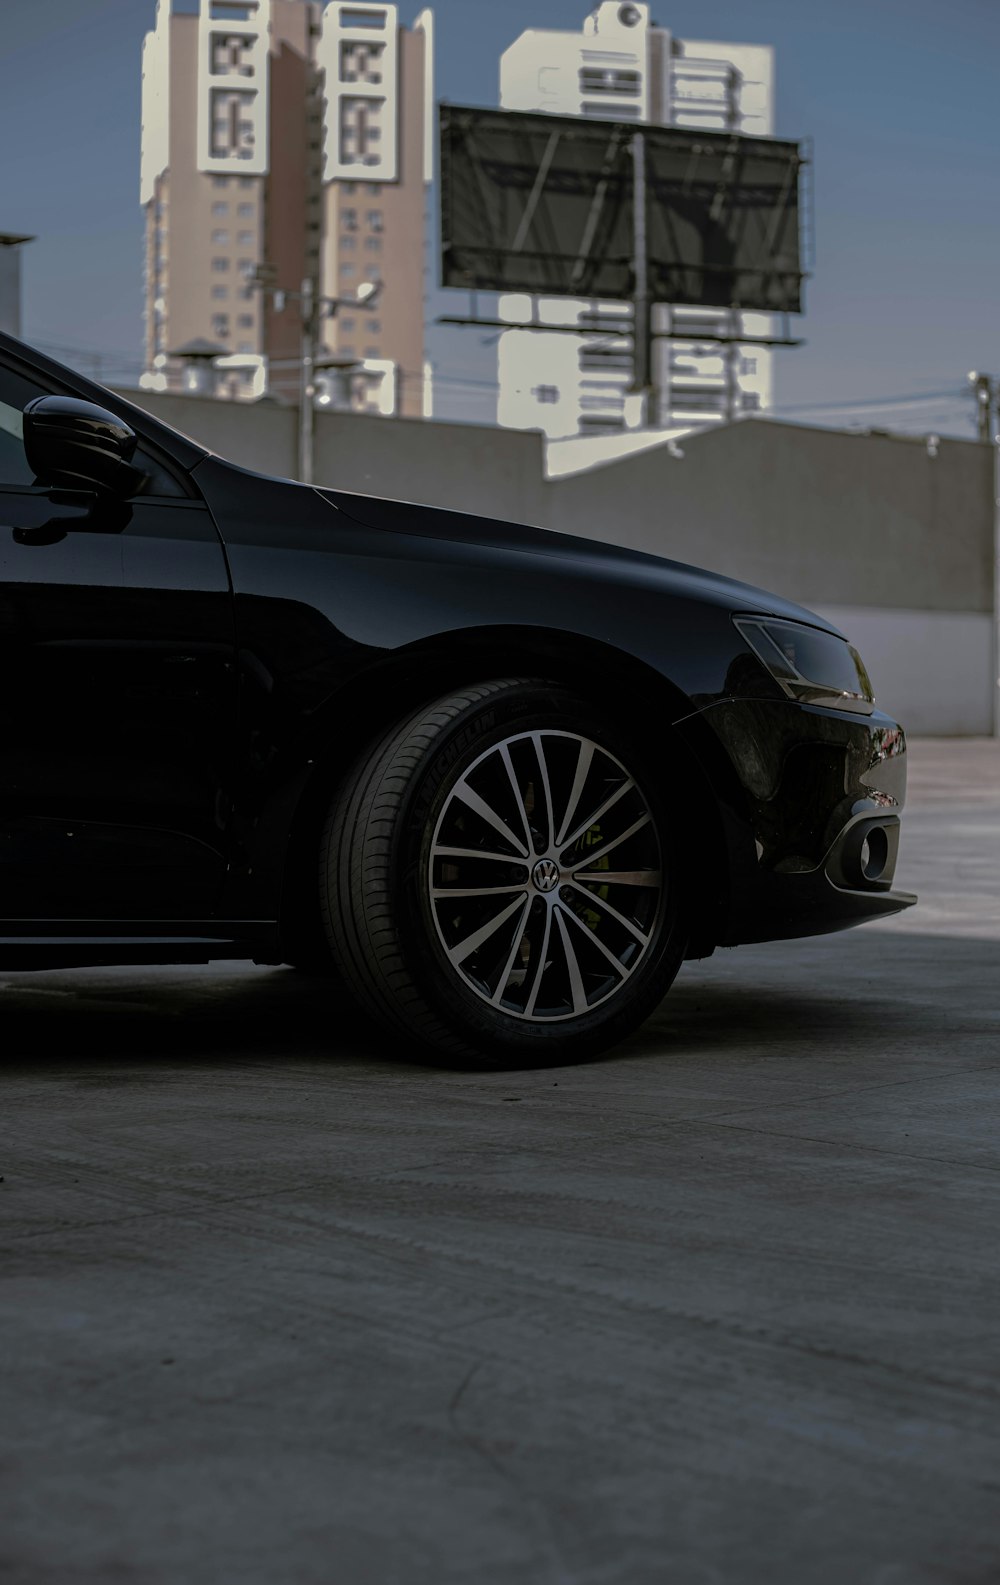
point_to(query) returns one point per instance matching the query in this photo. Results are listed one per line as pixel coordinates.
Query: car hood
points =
(614, 561)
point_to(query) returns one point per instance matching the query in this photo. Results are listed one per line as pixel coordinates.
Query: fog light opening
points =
(874, 854)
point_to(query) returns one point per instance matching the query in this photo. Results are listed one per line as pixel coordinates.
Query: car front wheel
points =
(498, 878)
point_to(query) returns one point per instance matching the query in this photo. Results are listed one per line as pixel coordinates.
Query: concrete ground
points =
(724, 1306)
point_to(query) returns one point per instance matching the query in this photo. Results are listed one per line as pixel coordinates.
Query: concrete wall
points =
(890, 539)
(822, 515)
(933, 669)
(893, 543)
(468, 467)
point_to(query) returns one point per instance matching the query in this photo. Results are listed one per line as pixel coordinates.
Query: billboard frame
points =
(630, 140)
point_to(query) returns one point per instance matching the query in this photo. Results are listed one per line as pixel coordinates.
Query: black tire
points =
(381, 853)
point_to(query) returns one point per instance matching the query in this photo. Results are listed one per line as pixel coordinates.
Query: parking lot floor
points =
(279, 1306)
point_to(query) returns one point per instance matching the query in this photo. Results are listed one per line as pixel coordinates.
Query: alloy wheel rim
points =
(545, 877)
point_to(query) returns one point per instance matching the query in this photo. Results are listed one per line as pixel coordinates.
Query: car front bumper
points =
(810, 800)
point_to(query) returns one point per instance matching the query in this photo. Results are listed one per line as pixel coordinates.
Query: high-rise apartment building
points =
(622, 67)
(290, 140)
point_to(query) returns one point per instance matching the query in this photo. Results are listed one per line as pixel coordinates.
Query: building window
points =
(245, 211)
(245, 239)
(246, 181)
(220, 210)
(348, 188)
(600, 404)
(348, 352)
(349, 219)
(748, 365)
(220, 293)
(232, 135)
(608, 80)
(348, 244)
(599, 424)
(245, 346)
(245, 321)
(230, 56)
(220, 324)
(347, 324)
(375, 221)
(373, 326)
(373, 244)
(346, 270)
(707, 401)
(595, 107)
(359, 129)
(594, 357)
(371, 352)
(219, 265)
(361, 61)
(220, 181)
(374, 190)
(751, 402)
(546, 393)
(220, 238)
(697, 323)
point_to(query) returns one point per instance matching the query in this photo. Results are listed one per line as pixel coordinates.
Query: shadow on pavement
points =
(849, 990)
(906, 986)
(92, 1017)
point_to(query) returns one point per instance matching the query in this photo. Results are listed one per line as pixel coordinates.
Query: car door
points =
(118, 695)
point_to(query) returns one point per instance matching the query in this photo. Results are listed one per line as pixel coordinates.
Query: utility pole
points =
(310, 302)
(987, 391)
(312, 309)
(307, 358)
(642, 356)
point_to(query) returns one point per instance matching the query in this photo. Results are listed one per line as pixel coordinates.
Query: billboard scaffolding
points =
(622, 211)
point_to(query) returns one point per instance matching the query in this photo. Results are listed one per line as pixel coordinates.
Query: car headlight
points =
(810, 665)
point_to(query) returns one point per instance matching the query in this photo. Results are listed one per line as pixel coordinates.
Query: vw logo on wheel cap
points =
(546, 875)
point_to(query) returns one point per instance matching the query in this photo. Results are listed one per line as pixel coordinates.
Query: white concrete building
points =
(622, 67)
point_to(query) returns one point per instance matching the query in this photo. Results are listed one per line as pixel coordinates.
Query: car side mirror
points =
(77, 444)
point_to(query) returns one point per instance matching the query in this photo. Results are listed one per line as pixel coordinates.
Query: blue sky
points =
(899, 96)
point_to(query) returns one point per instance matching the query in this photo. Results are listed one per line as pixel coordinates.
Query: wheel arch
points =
(617, 681)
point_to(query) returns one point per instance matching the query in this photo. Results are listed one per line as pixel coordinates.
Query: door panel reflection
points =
(119, 707)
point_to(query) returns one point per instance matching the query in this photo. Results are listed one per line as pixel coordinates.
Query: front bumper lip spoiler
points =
(788, 906)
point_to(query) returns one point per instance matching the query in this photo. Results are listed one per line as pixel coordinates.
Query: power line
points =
(857, 404)
(115, 364)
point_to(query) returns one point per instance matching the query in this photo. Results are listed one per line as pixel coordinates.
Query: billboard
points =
(545, 204)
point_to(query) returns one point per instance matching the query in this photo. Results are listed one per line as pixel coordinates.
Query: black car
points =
(497, 782)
